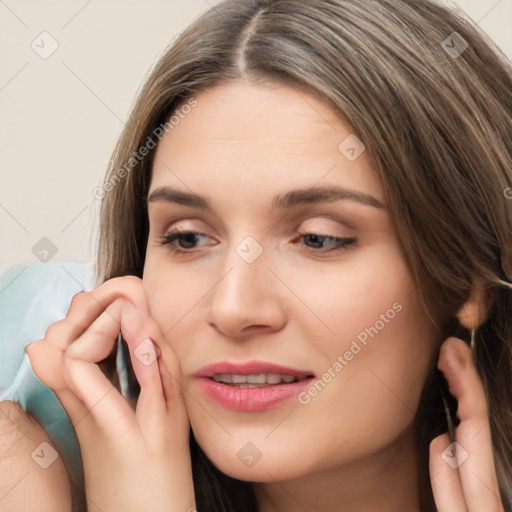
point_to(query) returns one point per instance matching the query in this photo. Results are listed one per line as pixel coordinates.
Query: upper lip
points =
(250, 368)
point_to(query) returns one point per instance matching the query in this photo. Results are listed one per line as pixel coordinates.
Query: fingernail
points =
(146, 352)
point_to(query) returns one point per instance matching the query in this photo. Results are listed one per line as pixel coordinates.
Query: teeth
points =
(249, 380)
(273, 378)
(223, 377)
(257, 379)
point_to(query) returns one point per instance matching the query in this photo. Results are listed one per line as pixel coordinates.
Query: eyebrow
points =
(289, 200)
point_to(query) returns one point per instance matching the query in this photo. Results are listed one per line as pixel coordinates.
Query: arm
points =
(32, 474)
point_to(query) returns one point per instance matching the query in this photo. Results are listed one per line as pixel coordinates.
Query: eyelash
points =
(341, 244)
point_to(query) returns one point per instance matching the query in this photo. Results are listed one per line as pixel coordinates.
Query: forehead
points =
(261, 137)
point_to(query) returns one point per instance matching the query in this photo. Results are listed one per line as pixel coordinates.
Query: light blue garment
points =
(32, 297)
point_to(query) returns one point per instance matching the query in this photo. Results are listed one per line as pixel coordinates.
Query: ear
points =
(474, 311)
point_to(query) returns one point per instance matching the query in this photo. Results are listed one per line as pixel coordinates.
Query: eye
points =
(186, 240)
(326, 243)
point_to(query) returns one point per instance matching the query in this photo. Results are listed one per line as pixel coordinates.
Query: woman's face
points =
(294, 272)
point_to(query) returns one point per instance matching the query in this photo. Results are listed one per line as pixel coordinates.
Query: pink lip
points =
(250, 368)
(251, 399)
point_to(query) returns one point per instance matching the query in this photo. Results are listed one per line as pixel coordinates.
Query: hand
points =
(465, 481)
(133, 460)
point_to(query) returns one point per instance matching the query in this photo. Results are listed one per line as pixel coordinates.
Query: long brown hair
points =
(431, 98)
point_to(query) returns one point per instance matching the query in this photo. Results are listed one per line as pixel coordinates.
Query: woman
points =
(305, 222)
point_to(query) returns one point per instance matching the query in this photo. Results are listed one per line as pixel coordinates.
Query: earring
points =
(449, 420)
(473, 337)
(121, 367)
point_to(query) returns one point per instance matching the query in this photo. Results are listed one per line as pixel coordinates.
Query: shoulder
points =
(32, 473)
(12, 419)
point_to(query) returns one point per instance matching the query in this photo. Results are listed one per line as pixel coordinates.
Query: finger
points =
(160, 409)
(151, 407)
(473, 436)
(97, 341)
(49, 364)
(79, 386)
(172, 381)
(87, 306)
(177, 414)
(93, 400)
(105, 410)
(444, 477)
(46, 360)
(95, 344)
(78, 381)
(128, 311)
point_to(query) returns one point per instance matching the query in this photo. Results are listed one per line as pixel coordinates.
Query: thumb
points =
(46, 361)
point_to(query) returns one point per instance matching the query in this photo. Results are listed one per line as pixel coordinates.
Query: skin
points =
(291, 306)
(22, 436)
(351, 447)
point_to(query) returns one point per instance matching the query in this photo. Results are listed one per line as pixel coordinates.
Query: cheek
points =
(359, 324)
(379, 371)
(174, 295)
(379, 346)
(368, 391)
(353, 298)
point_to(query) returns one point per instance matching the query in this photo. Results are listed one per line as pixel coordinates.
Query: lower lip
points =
(251, 399)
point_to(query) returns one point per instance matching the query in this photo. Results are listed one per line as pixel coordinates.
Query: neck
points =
(387, 481)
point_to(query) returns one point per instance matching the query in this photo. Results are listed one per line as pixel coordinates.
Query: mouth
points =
(254, 381)
(253, 386)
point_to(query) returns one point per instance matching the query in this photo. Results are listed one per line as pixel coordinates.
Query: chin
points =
(252, 464)
(263, 471)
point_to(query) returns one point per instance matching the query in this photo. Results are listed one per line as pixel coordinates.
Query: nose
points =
(246, 300)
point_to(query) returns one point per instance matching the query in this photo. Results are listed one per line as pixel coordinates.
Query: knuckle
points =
(81, 304)
(60, 330)
(55, 330)
(130, 288)
(134, 290)
(133, 279)
(77, 300)
(103, 332)
(126, 281)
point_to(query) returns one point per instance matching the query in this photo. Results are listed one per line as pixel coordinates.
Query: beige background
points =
(60, 116)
